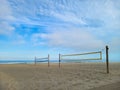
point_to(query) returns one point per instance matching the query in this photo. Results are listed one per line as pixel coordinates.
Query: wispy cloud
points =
(5, 10)
(5, 17)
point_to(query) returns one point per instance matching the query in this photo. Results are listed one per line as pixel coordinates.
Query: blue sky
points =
(31, 28)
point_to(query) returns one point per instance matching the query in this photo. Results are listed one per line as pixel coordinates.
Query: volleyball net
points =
(86, 56)
(44, 59)
(80, 57)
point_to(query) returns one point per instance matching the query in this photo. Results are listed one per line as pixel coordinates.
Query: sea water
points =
(25, 61)
(51, 61)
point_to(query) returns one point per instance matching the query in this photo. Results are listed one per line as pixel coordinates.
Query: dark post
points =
(59, 60)
(107, 59)
(48, 60)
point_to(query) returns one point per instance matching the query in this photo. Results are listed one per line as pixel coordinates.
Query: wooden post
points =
(59, 60)
(107, 59)
(100, 55)
(48, 60)
(35, 60)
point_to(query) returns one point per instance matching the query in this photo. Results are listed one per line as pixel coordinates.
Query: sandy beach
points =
(74, 76)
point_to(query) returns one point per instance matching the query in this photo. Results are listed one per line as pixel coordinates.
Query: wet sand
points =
(82, 76)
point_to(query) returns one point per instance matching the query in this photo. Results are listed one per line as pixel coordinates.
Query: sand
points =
(82, 76)
(113, 86)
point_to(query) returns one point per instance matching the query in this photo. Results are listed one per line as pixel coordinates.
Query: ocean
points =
(51, 61)
(25, 61)
(45, 61)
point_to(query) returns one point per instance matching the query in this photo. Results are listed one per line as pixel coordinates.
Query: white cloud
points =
(115, 44)
(6, 28)
(69, 17)
(66, 11)
(73, 38)
(5, 10)
(107, 12)
(5, 18)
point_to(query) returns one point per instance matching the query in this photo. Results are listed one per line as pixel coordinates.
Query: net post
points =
(48, 60)
(35, 60)
(59, 60)
(107, 59)
(100, 55)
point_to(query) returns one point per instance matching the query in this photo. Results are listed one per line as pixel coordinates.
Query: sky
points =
(30, 28)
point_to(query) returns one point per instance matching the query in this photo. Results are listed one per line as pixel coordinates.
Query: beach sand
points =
(74, 76)
(113, 86)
